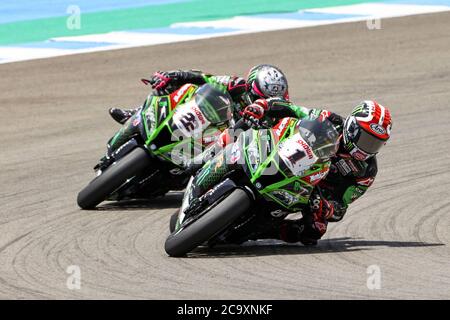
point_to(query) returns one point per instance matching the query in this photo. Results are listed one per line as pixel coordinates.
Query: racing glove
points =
(164, 82)
(160, 81)
(254, 113)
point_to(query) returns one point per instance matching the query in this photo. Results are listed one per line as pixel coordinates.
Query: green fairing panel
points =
(125, 132)
(272, 178)
(158, 113)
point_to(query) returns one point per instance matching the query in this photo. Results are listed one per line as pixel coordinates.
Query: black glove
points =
(292, 231)
(165, 82)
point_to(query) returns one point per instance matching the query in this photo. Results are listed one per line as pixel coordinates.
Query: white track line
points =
(243, 24)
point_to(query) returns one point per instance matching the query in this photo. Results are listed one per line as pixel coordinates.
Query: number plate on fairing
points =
(296, 154)
(189, 119)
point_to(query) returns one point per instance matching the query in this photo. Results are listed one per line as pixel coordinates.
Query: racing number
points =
(296, 156)
(189, 122)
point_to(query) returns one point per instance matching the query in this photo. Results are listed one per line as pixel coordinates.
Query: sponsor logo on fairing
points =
(210, 138)
(280, 128)
(199, 114)
(315, 178)
(181, 92)
(306, 147)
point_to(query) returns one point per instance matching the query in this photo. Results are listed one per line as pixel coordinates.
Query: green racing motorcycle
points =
(147, 157)
(253, 184)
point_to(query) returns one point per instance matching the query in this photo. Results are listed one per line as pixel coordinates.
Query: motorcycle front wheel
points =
(213, 222)
(113, 178)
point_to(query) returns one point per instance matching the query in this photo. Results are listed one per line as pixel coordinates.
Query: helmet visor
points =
(367, 142)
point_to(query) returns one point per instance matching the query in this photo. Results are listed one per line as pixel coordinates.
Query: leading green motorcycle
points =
(253, 184)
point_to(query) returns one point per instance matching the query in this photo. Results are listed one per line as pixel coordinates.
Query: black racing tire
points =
(210, 224)
(173, 221)
(112, 178)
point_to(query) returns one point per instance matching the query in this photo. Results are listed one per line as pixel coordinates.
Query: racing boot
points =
(290, 231)
(121, 115)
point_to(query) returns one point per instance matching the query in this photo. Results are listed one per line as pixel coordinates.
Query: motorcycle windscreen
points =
(214, 104)
(321, 136)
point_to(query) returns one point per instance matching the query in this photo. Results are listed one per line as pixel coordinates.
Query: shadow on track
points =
(170, 200)
(276, 247)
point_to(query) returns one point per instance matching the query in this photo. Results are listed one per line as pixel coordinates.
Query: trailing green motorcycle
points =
(147, 156)
(253, 184)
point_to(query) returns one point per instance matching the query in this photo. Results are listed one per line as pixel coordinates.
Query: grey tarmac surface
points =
(54, 127)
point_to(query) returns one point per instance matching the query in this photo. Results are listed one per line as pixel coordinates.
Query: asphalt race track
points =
(54, 127)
